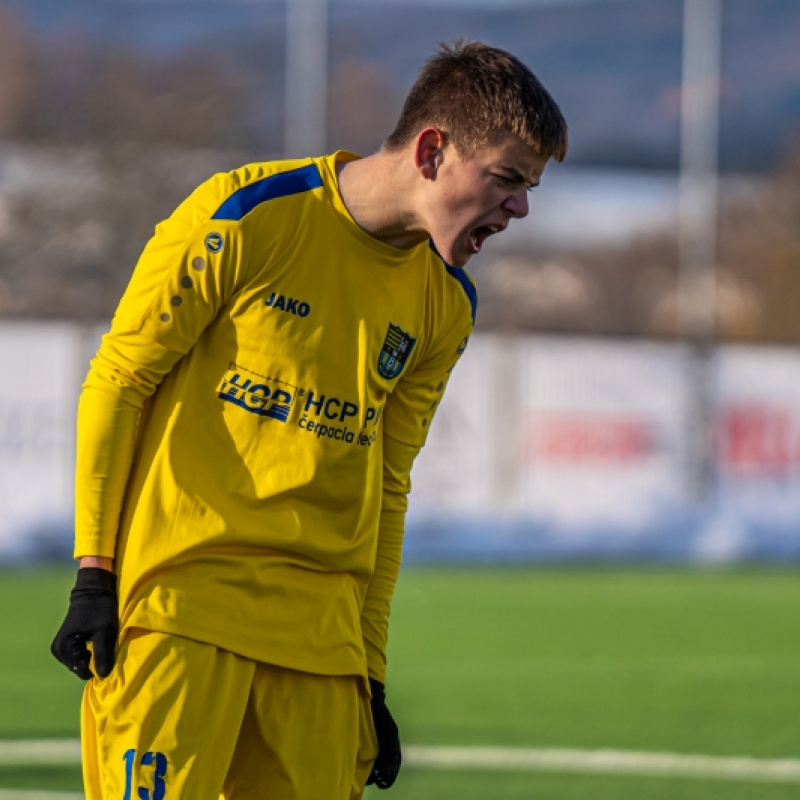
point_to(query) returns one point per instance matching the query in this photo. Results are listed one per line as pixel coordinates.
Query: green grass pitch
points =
(687, 661)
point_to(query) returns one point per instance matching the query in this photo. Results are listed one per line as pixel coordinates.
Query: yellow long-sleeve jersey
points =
(247, 429)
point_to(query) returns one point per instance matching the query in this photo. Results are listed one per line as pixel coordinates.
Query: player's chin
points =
(458, 251)
(459, 260)
(458, 256)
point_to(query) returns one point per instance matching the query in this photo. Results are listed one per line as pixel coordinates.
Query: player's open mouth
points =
(477, 236)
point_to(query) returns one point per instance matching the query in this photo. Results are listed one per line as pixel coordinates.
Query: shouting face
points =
(475, 196)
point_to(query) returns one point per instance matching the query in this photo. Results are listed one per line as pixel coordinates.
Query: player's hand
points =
(387, 764)
(92, 617)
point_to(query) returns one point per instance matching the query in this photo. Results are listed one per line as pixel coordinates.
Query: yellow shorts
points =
(182, 720)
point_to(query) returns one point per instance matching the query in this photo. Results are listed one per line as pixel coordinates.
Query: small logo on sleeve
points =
(214, 242)
(397, 347)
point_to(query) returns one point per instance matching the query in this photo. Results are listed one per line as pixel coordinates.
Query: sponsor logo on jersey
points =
(266, 397)
(397, 347)
(290, 305)
(214, 242)
(331, 418)
(322, 415)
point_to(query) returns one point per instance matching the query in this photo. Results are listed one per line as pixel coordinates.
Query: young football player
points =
(245, 439)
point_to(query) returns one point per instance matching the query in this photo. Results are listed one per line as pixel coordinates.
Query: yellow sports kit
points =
(247, 430)
(183, 719)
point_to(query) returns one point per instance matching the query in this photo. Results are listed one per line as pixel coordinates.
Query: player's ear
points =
(429, 152)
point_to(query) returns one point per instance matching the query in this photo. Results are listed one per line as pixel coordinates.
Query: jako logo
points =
(266, 397)
(288, 304)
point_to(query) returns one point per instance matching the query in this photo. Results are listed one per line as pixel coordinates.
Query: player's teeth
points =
(493, 228)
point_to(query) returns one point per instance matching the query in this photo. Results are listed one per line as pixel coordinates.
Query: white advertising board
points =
(603, 427)
(543, 448)
(758, 449)
(37, 412)
(454, 471)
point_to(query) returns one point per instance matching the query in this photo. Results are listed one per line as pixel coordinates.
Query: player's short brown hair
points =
(473, 93)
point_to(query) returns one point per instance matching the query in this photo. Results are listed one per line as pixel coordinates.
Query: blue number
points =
(128, 758)
(159, 787)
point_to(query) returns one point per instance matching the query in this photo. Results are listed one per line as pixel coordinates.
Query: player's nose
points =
(517, 204)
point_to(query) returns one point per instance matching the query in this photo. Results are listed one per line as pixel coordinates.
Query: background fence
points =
(544, 448)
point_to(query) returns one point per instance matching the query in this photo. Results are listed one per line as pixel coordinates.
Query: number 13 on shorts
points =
(156, 788)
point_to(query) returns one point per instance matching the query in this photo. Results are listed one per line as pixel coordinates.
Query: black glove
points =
(92, 617)
(387, 764)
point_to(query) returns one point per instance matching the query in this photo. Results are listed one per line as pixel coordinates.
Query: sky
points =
(472, 3)
(483, 3)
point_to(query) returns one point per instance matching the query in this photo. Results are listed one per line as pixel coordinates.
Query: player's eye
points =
(504, 180)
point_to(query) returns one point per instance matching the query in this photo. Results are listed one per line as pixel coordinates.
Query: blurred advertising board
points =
(757, 434)
(603, 426)
(578, 450)
(544, 448)
(37, 410)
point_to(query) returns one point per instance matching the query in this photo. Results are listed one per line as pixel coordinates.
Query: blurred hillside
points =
(629, 286)
(111, 111)
(614, 65)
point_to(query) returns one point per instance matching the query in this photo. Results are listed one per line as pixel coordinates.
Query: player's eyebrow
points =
(517, 176)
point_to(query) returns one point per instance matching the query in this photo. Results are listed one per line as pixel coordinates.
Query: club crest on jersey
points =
(397, 347)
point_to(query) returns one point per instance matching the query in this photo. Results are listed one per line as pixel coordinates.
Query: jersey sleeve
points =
(188, 270)
(410, 409)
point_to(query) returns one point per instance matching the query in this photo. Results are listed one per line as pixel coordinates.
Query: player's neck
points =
(379, 196)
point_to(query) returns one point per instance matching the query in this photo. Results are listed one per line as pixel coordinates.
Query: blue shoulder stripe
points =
(244, 200)
(461, 277)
